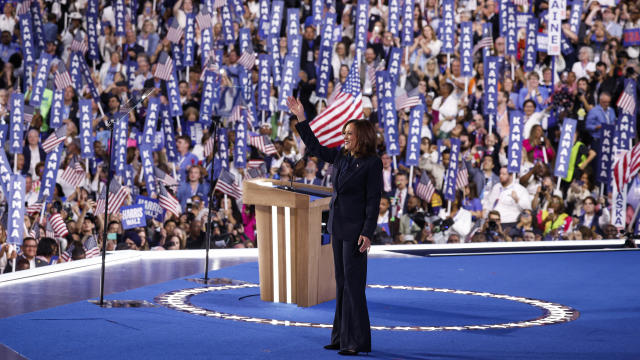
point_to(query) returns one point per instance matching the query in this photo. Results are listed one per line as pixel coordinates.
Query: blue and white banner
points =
(175, 104)
(120, 19)
(264, 26)
(294, 47)
(151, 120)
(177, 56)
(576, 15)
(395, 58)
(503, 14)
(28, 41)
(293, 22)
(563, 158)
(322, 73)
(4, 130)
(516, 119)
(206, 104)
(16, 198)
(542, 43)
(158, 141)
(274, 52)
(511, 37)
(452, 172)
(487, 32)
(129, 176)
(447, 28)
(44, 65)
(566, 47)
(328, 29)
(530, 50)
(244, 39)
(466, 48)
(362, 23)
(623, 135)
(238, 9)
(195, 132)
(554, 32)
(37, 25)
(51, 166)
(86, 73)
(240, 149)
(247, 86)
(394, 18)
(289, 80)
(619, 206)
(189, 39)
(120, 144)
(223, 149)
(491, 77)
(85, 118)
(317, 9)
(146, 156)
(5, 171)
(407, 23)
(415, 136)
(152, 208)
(92, 32)
(264, 82)
(16, 123)
(75, 70)
(133, 216)
(227, 26)
(277, 9)
(132, 67)
(389, 116)
(206, 44)
(169, 134)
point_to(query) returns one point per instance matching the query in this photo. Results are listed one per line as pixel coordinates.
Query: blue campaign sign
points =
(28, 45)
(15, 221)
(86, 73)
(240, 150)
(317, 7)
(389, 116)
(394, 17)
(146, 156)
(51, 166)
(5, 171)
(92, 32)
(169, 135)
(415, 136)
(86, 121)
(206, 105)
(75, 70)
(503, 14)
(293, 22)
(623, 133)
(4, 129)
(132, 68)
(176, 54)
(362, 22)
(44, 65)
(120, 19)
(227, 25)
(223, 149)
(55, 117)
(466, 48)
(394, 64)
(530, 47)
(516, 126)
(277, 8)
(16, 123)
(324, 66)
(448, 27)
(264, 81)
(133, 216)
(206, 44)
(265, 23)
(244, 39)
(491, 77)
(631, 37)
(289, 80)
(129, 176)
(175, 104)
(274, 52)
(294, 47)
(407, 23)
(120, 146)
(151, 121)
(328, 29)
(564, 147)
(452, 172)
(152, 208)
(511, 37)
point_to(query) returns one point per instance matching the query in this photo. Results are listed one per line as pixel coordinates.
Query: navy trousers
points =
(351, 327)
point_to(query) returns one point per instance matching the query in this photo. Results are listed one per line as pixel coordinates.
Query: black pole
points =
(106, 215)
(209, 234)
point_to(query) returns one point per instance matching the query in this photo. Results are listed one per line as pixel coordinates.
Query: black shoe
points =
(332, 347)
(348, 352)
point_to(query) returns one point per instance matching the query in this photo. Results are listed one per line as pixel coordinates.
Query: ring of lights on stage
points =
(553, 313)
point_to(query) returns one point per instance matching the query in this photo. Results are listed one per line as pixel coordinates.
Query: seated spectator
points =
(554, 218)
(133, 241)
(47, 250)
(592, 218)
(29, 248)
(525, 224)
(493, 230)
(382, 234)
(409, 229)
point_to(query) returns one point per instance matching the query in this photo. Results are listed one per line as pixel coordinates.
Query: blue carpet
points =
(602, 286)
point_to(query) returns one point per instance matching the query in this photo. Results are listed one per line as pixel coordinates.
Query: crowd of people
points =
(491, 204)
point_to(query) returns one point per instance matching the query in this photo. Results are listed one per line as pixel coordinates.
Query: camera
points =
(544, 188)
(493, 226)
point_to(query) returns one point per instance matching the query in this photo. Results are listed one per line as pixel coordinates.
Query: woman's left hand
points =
(364, 243)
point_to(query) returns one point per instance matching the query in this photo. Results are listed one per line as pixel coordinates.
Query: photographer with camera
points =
(410, 227)
(492, 228)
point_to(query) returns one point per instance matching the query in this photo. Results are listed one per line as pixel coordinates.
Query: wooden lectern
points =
(294, 265)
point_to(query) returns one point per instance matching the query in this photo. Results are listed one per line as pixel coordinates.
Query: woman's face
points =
(194, 174)
(536, 132)
(344, 71)
(350, 138)
(529, 109)
(340, 50)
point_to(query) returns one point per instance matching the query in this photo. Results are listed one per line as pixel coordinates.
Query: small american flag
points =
(28, 114)
(63, 79)
(219, 3)
(66, 256)
(425, 189)
(57, 137)
(91, 248)
(79, 44)
(23, 8)
(118, 195)
(227, 184)
(169, 202)
(626, 167)
(257, 172)
(74, 174)
(403, 101)
(34, 208)
(486, 41)
(255, 163)
(627, 100)
(164, 178)
(236, 114)
(164, 69)
(262, 143)
(204, 20)
(247, 60)
(209, 64)
(462, 179)
(524, 3)
(58, 225)
(327, 126)
(208, 146)
(174, 33)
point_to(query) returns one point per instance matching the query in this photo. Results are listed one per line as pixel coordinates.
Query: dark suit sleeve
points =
(312, 143)
(373, 193)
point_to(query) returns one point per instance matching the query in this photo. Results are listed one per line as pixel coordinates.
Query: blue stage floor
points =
(526, 306)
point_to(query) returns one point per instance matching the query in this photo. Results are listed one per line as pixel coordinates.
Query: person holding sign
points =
(353, 216)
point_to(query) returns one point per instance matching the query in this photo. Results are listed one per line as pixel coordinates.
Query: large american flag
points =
(327, 126)
(118, 194)
(57, 137)
(79, 44)
(462, 178)
(58, 225)
(247, 59)
(262, 143)
(404, 101)
(174, 33)
(91, 248)
(169, 202)
(425, 188)
(164, 69)
(626, 167)
(204, 20)
(62, 79)
(74, 174)
(627, 100)
(227, 184)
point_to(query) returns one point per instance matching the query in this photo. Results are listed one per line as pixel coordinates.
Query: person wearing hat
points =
(133, 240)
(73, 29)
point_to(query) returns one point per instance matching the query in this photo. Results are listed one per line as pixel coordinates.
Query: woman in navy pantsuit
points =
(355, 202)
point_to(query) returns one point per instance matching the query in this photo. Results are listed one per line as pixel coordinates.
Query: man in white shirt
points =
(387, 175)
(508, 198)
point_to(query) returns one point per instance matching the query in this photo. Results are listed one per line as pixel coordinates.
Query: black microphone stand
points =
(209, 233)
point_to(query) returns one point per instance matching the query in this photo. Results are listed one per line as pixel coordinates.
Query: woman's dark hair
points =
(46, 247)
(365, 134)
(473, 190)
(528, 101)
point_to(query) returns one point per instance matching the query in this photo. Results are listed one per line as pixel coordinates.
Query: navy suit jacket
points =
(355, 201)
